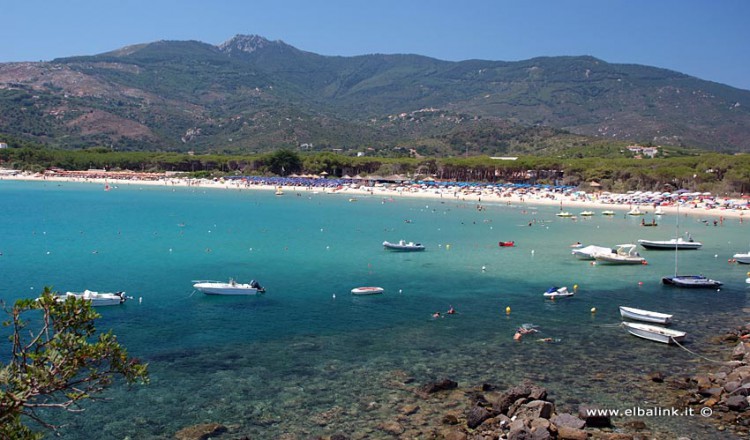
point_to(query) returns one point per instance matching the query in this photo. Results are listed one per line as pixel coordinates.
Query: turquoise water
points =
(308, 350)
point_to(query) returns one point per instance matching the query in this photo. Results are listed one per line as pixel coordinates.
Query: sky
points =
(708, 39)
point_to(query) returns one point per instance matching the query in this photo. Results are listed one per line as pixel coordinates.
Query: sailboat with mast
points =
(692, 281)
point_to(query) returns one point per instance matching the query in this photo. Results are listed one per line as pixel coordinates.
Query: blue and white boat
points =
(557, 292)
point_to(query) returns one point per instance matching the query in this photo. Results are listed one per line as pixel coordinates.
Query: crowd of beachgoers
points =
(566, 197)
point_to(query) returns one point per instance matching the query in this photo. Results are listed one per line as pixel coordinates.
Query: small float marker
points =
(593, 310)
(507, 310)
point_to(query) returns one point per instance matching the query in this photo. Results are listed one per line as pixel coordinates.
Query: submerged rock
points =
(526, 390)
(440, 385)
(200, 432)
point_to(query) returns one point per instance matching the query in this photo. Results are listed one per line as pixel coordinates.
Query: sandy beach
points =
(570, 201)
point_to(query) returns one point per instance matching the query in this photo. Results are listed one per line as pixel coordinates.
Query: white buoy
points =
(140, 299)
(399, 290)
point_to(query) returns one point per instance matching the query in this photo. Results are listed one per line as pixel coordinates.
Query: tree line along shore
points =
(720, 174)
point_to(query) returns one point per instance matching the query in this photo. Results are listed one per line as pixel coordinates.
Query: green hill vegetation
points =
(251, 96)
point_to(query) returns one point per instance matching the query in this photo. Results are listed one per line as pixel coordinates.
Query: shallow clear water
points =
(308, 349)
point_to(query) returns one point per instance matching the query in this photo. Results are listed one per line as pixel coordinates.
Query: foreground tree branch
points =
(57, 360)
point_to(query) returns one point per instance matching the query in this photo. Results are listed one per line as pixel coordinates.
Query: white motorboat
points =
(586, 213)
(403, 246)
(564, 214)
(608, 212)
(369, 290)
(623, 254)
(645, 315)
(742, 258)
(557, 292)
(587, 253)
(654, 332)
(672, 244)
(230, 288)
(96, 298)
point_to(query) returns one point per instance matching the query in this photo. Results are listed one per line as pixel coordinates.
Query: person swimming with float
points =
(523, 331)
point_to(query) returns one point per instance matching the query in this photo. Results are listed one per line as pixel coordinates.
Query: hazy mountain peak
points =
(247, 44)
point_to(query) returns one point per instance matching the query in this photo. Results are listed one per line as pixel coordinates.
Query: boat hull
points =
(370, 290)
(654, 333)
(691, 281)
(234, 289)
(403, 247)
(219, 291)
(615, 259)
(670, 245)
(742, 258)
(645, 315)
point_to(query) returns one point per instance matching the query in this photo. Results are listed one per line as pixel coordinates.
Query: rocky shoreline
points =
(722, 393)
(443, 410)
(522, 412)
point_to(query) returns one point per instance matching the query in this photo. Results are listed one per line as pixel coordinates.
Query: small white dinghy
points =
(369, 290)
(654, 332)
(645, 315)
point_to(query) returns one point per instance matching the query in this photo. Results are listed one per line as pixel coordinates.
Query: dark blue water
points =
(307, 357)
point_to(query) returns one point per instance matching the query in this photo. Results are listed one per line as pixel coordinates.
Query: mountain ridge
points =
(252, 94)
